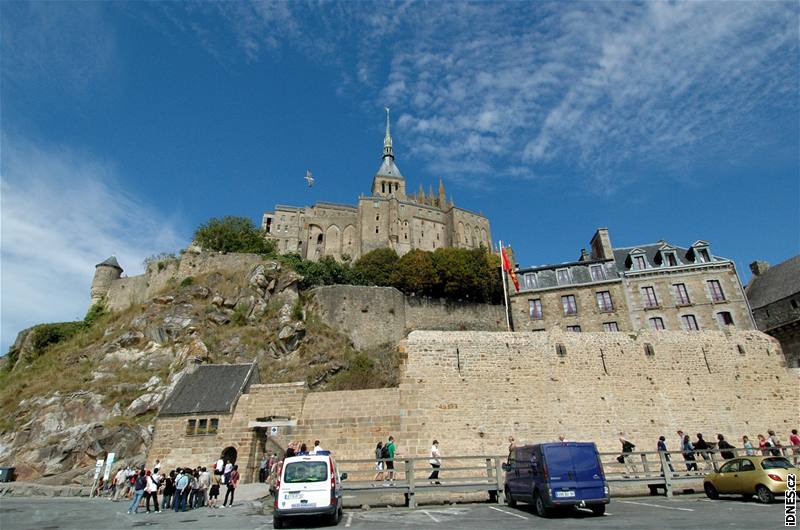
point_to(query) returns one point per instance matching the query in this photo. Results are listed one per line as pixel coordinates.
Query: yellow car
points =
(763, 476)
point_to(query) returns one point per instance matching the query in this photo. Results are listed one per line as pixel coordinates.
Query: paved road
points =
(629, 513)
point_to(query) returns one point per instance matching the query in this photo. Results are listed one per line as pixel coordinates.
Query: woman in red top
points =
(231, 482)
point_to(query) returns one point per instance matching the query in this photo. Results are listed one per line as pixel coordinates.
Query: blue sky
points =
(125, 125)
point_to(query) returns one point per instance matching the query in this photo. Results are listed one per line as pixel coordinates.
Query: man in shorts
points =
(390, 449)
(213, 493)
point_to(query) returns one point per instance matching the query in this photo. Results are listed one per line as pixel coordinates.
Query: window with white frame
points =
(649, 297)
(569, 305)
(598, 273)
(535, 309)
(563, 276)
(610, 326)
(681, 294)
(689, 323)
(529, 279)
(656, 323)
(575, 329)
(670, 260)
(716, 291)
(640, 263)
(604, 301)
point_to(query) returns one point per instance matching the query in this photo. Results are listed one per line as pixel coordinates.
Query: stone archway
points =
(229, 454)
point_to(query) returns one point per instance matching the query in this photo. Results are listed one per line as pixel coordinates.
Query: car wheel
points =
(509, 499)
(277, 522)
(711, 491)
(764, 495)
(538, 503)
(598, 509)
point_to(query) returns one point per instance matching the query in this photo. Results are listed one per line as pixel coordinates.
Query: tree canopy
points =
(232, 234)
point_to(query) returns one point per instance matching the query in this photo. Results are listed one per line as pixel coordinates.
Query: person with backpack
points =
(688, 454)
(151, 491)
(625, 457)
(379, 463)
(140, 483)
(168, 491)
(387, 454)
(231, 483)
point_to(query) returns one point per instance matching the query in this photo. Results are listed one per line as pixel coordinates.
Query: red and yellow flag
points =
(509, 269)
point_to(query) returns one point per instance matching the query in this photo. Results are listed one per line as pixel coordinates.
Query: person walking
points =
(777, 448)
(231, 484)
(379, 463)
(263, 466)
(662, 448)
(748, 446)
(388, 453)
(762, 444)
(117, 484)
(794, 441)
(688, 454)
(625, 457)
(138, 490)
(702, 446)
(435, 461)
(512, 444)
(725, 448)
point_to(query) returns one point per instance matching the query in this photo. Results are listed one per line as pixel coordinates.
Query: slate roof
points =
(109, 262)
(776, 283)
(684, 256)
(580, 273)
(389, 168)
(210, 388)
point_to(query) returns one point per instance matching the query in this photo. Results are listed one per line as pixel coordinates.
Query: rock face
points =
(133, 364)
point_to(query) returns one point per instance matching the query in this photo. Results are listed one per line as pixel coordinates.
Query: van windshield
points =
(305, 472)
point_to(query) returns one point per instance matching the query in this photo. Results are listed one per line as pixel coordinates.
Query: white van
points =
(308, 484)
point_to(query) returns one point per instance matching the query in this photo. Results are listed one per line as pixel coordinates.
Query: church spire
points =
(387, 140)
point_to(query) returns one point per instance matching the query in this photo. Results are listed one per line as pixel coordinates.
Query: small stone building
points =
(194, 426)
(774, 294)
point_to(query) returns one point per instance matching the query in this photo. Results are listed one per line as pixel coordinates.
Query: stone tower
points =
(104, 273)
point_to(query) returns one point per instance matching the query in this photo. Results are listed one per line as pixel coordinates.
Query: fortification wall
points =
(376, 315)
(472, 390)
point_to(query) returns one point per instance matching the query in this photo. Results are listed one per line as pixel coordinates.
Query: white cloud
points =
(62, 212)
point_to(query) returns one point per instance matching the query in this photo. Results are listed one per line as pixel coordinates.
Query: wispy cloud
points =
(510, 90)
(62, 213)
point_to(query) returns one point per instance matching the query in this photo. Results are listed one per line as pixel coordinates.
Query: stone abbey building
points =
(389, 217)
(656, 286)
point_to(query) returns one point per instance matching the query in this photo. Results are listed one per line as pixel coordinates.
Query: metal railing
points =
(484, 473)
(458, 474)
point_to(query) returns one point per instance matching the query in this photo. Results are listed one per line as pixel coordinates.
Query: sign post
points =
(98, 468)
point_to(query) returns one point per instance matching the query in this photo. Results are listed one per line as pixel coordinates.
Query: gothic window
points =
(656, 323)
(383, 187)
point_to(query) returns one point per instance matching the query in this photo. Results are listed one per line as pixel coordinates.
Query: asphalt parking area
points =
(691, 511)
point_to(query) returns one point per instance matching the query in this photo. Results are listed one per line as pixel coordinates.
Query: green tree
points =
(415, 274)
(469, 275)
(233, 234)
(375, 267)
(326, 271)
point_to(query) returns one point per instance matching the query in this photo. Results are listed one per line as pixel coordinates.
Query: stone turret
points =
(104, 274)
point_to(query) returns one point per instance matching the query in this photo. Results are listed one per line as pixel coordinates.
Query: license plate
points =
(292, 496)
(305, 505)
(565, 494)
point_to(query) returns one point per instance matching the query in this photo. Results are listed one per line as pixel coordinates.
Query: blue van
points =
(556, 474)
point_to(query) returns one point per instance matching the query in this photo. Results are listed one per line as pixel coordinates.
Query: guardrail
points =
(484, 473)
(458, 474)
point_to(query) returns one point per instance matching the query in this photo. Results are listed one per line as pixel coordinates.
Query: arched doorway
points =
(229, 455)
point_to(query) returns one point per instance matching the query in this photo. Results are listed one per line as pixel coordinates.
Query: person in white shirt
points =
(218, 467)
(435, 462)
(151, 491)
(205, 484)
(316, 447)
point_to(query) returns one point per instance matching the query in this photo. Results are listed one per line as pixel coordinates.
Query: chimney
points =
(584, 255)
(759, 267)
(601, 245)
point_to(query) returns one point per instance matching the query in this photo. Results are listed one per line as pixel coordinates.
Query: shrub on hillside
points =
(232, 234)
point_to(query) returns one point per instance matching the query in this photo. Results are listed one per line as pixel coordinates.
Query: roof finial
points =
(387, 140)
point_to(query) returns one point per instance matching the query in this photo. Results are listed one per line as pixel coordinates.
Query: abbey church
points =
(389, 217)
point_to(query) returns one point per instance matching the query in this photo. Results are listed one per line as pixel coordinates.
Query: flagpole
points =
(505, 291)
